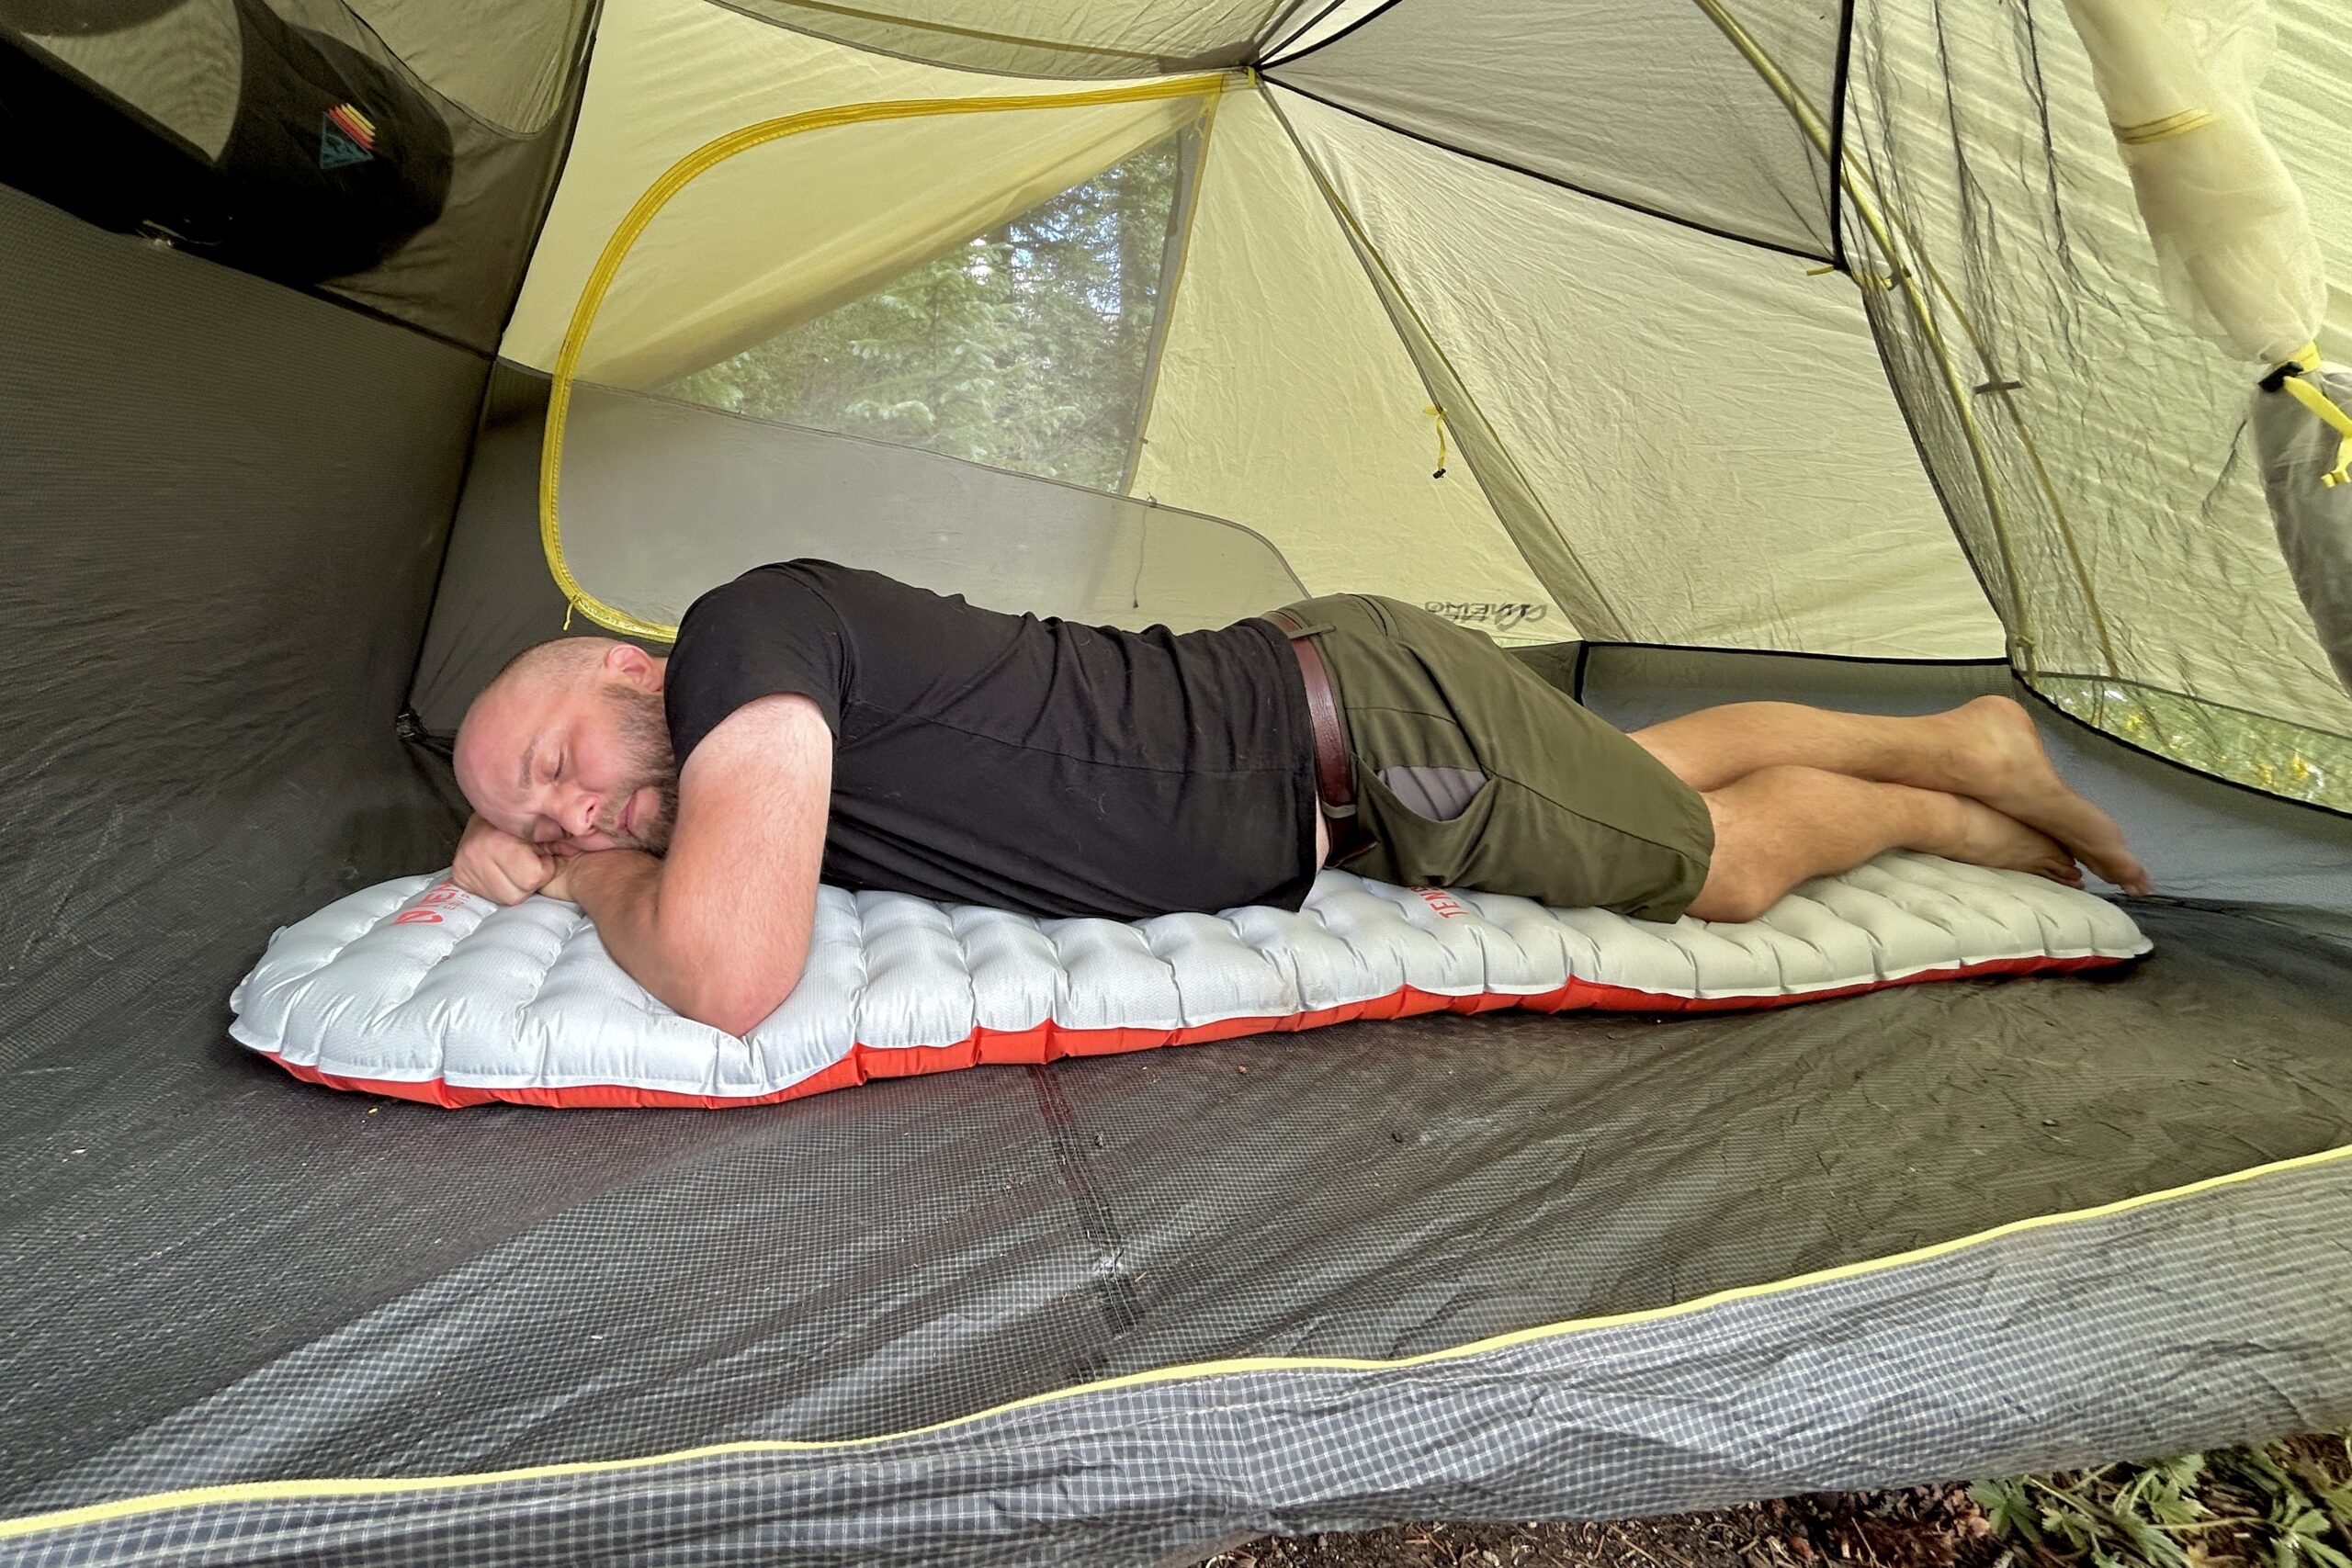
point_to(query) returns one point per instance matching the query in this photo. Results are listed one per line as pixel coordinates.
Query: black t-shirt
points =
(1035, 765)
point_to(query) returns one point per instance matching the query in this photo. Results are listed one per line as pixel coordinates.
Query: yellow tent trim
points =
(289, 1490)
(2162, 129)
(699, 162)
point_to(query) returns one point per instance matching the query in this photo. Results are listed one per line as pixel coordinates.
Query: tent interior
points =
(1698, 351)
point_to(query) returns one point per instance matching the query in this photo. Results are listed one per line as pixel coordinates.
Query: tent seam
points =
(1369, 16)
(1554, 181)
(1367, 256)
(1171, 296)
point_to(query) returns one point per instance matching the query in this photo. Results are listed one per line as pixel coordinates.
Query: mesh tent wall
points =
(1120, 1310)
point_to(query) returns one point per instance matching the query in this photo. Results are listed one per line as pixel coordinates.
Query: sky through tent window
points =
(1024, 348)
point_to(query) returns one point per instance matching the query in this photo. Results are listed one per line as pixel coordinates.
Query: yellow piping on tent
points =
(699, 162)
(289, 1490)
(2162, 129)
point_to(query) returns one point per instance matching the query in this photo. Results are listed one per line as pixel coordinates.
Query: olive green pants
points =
(1473, 771)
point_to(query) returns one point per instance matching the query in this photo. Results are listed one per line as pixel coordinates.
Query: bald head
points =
(568, 747)
(564, 660)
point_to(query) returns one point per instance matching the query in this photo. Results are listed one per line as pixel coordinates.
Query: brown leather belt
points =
(1335, 773)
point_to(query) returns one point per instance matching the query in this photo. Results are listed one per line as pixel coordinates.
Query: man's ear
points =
(631, 663)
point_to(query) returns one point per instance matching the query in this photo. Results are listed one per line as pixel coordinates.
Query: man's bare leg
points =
(1779, 826)
(1987, 750)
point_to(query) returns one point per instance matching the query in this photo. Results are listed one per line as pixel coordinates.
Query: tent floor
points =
(216, 1273)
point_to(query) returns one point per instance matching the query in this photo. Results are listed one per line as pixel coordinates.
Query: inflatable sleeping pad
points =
(418, 989)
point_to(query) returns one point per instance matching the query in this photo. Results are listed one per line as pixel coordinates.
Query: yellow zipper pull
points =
(2308, 393)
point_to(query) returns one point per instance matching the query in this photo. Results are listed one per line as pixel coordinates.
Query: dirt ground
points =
(1926, 1527)
(2287, 1504)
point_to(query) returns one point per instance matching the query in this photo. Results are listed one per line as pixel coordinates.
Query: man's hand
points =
(559, 885)
(502, 868)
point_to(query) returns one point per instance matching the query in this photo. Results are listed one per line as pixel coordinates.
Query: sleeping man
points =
(818, 723)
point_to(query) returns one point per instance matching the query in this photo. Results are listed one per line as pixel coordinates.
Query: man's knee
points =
(1749, 870)
(1736, 889)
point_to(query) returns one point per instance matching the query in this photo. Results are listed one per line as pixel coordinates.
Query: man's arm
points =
(718, 929)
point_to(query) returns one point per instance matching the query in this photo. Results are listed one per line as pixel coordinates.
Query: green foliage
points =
(2008, 1509)
(2285, 1506)
(2252, 749)
(2166, 1492)
(1022, 348)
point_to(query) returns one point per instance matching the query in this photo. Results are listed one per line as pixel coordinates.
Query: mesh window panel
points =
(663, 499)
(1020, 342)
(1024, 347)
(2087, 446)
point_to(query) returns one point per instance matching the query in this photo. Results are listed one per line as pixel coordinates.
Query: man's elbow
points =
(739, 1009)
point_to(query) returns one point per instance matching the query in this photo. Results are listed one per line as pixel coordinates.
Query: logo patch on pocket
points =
(345, 137)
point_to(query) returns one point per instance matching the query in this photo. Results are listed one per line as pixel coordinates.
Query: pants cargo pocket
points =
(1413, 850)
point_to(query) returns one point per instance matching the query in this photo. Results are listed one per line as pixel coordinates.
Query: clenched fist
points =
(500, 866)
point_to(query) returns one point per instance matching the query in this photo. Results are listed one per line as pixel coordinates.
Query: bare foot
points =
(1982, 836)
(2000, 761)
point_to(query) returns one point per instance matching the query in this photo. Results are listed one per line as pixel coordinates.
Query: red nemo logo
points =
(428, 910)
(1443, 902)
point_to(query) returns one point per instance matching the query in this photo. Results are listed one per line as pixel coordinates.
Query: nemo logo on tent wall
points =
(345, 137)
(426, 910)
(1502, 617)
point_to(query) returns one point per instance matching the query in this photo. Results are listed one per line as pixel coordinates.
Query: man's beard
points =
(645, 738)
